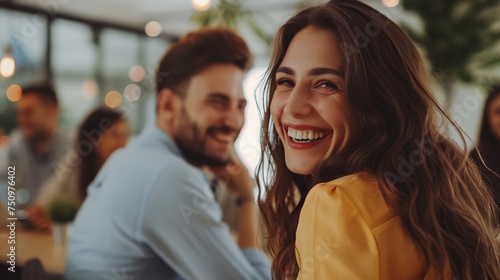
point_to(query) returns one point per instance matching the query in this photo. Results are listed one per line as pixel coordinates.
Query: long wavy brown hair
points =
(437, 191)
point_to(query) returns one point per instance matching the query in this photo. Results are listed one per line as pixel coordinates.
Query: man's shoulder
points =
(179, 171)
(175, 176)
(158, 164)
(152, 157)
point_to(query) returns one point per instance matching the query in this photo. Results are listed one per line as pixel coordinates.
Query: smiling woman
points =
(310, 104)
(359, 181)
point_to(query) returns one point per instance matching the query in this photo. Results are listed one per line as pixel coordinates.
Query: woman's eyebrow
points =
(324, 70)
(286, 70)
(313, 72)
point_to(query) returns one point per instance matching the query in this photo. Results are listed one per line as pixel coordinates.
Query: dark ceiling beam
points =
(10, 5)
(261, 7)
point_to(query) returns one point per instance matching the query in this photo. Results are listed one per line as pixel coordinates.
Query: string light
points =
(390, 3)
(201, 5)
(7, 64)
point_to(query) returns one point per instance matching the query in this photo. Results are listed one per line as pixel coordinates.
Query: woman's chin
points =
(300, 169)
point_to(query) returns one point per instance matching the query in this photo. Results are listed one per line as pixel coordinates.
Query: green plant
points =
(63, 210)
(459, 38)
(229, 13)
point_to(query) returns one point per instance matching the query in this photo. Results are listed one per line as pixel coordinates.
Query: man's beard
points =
(193, 145)
(36, 136)
(198, 157)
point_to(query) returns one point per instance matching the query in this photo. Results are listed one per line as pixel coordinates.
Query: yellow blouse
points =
(347, 231)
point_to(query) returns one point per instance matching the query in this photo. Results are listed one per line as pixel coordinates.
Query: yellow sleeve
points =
(333, 240)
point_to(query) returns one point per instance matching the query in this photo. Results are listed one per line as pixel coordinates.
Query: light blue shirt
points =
(32, 169)
(151, 215)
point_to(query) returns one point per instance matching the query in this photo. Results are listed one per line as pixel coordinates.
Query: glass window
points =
(25, 35)
(74, 67)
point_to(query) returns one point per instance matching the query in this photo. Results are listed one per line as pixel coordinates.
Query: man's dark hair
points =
(197, 50)
(44, 91)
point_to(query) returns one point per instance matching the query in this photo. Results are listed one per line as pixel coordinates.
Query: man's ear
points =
(167, 101)
(168, 110)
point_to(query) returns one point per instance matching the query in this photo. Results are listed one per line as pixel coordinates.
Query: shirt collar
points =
(153, 132)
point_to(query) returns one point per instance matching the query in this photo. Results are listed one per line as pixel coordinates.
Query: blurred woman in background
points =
(101, 133)
(489, 143)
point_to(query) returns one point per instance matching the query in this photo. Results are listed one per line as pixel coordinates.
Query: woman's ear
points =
(168, 110)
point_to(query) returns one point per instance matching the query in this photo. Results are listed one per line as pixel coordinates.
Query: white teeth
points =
(223, 137)
(304, 135)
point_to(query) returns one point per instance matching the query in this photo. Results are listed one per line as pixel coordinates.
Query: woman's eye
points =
(284, 82)
(328, 85)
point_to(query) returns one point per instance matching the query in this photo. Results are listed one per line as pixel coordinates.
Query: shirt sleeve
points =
(182, 224)
(333, 240)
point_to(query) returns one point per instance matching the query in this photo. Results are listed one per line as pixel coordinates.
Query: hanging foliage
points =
(229, 13)
(459, 37)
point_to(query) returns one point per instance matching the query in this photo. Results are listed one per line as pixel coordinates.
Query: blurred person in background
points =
(36, 144)
(101, 133)
(489, 143)
(151, 212)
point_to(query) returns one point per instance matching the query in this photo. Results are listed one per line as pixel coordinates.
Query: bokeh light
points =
(153, 28)
(89, 89)
(136, 73)
(132, 92)
(14, 93)
(113, 99)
